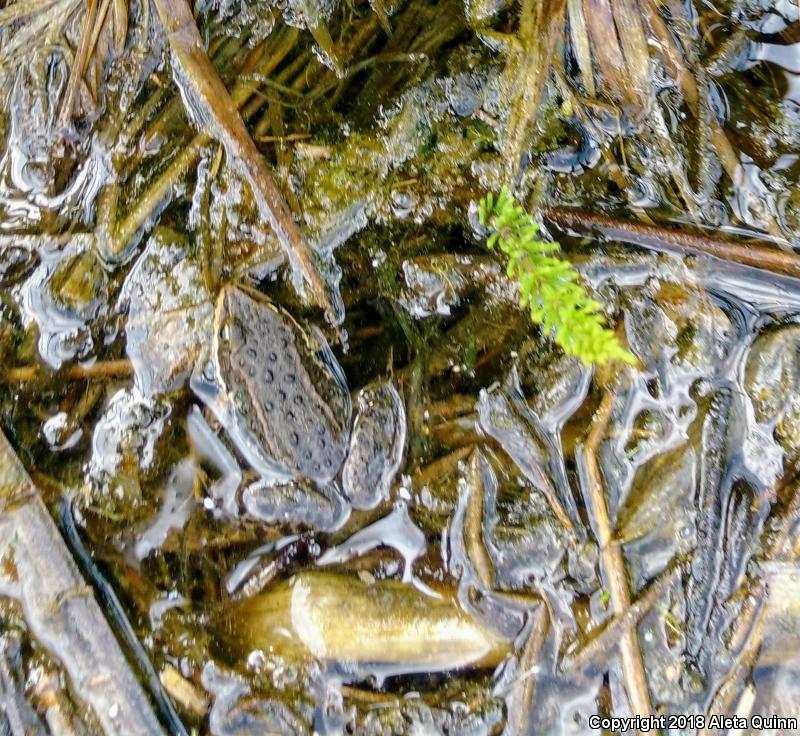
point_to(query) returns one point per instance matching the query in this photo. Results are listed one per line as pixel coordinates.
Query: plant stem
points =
(520, 714)
(658, 238)
(155, 193)
(613, 562)
(203, 82)
(527, 70)
(102, 369)
(441, 468)
(78, 65)
(598, 648)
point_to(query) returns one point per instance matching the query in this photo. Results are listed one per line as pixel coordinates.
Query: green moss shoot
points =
(548, 285)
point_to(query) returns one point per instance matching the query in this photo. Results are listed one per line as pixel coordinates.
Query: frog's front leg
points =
(209, 447)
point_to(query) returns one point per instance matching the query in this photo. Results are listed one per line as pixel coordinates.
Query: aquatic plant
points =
(549, 286)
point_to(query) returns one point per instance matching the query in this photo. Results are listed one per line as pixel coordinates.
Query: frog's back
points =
(286, 385)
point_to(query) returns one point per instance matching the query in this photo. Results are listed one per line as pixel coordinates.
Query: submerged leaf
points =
(169, 314)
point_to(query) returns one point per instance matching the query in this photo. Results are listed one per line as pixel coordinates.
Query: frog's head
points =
(232, 331)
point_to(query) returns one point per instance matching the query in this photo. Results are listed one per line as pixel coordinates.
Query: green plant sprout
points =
(549, 286)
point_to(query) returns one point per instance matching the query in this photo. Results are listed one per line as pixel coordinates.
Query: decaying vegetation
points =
(261, 366)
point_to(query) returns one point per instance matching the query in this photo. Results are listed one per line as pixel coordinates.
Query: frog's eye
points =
(233, 332)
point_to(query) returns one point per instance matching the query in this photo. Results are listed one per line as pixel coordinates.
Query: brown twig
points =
(662, 239)
(527, 69)
(599, 646)
(224, 121)
(102, 369)
(519, 716)
(191, 152)
(613, 563)
(440, 468)
(78, 65)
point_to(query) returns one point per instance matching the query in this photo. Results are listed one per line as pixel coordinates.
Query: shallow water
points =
(519, 541)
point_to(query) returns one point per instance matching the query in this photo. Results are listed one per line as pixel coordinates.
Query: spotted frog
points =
(279, 392)
(276, 387)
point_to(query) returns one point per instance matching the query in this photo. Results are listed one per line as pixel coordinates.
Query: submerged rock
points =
(772, 380)
(388, 627)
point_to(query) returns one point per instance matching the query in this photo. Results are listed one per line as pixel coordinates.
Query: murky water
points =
(426, 519)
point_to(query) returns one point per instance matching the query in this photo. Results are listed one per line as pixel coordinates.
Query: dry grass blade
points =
(524, 688)
(103, 32)
(102, 369)
(78, 65)
(613, 563)
(203, 82)
(527, 69)
(379, 7)
(442, 467)
(322, 35)
(604, 43)
(600, 645)
(634, 46)
(19, 10)
(580, 44)
(190, 154)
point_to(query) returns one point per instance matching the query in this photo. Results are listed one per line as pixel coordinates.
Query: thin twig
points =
(658, 238)
(18, 10)
(613, 563)
(599, 647)
(202, 79)
(283, 138)
(155, 193)
(102, 369)
(519, 716)
(440, 468)
(527, 69)
(78, 65)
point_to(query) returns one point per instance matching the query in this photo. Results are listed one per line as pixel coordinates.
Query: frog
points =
(279, 392)
(277, 387)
